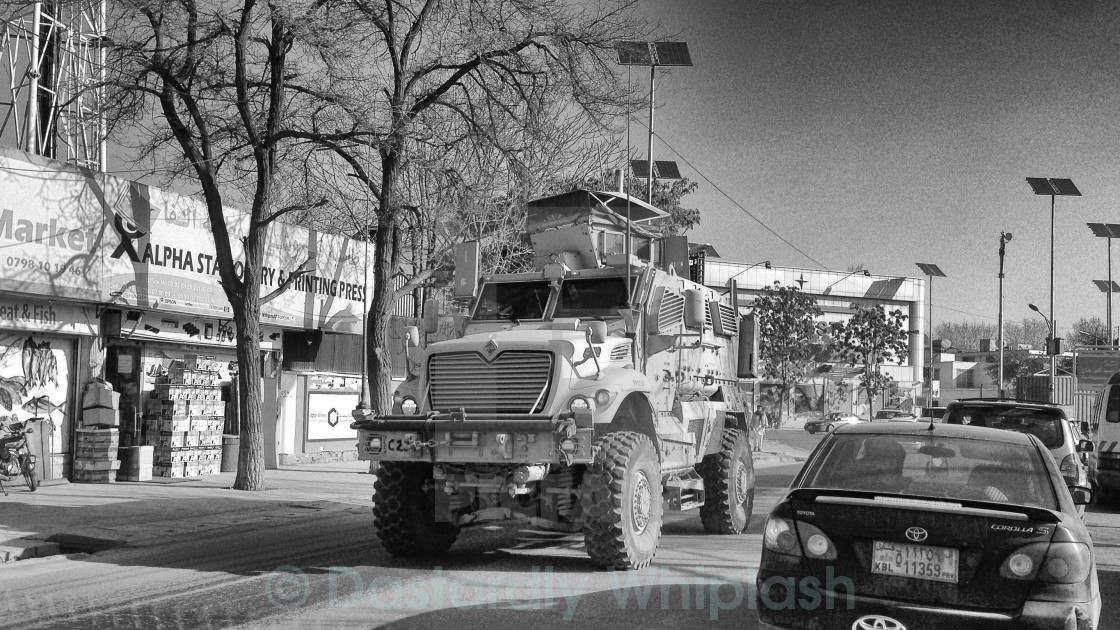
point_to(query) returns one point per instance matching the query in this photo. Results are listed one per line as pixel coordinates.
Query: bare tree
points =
(488, 83)
(209, 91)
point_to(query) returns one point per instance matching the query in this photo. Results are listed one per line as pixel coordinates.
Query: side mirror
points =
(413, 336)
(431, 316)
(598, 331)
(1085, 428)
(1085, 446)
(1082, 495)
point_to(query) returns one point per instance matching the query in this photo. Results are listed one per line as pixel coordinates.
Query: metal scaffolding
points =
(51, 56)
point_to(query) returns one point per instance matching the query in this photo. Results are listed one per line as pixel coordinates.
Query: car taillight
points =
(1069, 466)
(1023, 564)
(779, 536)
(1066, 563)
(815, 543)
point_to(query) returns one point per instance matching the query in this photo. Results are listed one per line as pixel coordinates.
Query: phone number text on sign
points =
(30, 264)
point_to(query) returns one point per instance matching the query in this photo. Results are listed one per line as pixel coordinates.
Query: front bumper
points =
(460, 437)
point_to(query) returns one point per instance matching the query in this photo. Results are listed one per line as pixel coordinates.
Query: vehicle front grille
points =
(513, 382)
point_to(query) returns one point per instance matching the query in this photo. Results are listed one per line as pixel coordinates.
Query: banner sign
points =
(68, 232)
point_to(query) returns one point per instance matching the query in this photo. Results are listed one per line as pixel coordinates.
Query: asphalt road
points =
(321, 568)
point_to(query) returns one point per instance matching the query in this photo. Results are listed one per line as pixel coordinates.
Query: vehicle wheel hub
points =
(641, 504)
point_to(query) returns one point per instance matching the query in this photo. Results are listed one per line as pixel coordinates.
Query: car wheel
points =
(829, 428)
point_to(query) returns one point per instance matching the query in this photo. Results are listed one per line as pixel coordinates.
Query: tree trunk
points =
(386, 261)
(250, 462)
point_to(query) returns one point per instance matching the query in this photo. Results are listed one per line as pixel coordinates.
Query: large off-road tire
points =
(29, 477)
(404, 511)
(622, 502)
(728, 485)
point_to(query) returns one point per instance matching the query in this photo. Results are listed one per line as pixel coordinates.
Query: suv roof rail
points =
(1005, 399)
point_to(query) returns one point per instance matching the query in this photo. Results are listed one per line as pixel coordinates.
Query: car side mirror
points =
(1085, 446)
(1085, 428)
(1082, 495)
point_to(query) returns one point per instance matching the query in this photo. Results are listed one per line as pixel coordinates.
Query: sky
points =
(828, 134)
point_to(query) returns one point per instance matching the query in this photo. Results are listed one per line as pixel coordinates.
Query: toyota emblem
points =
(917, 534)
(877, 622)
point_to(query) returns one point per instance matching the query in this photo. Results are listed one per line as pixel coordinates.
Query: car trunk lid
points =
(937, 552)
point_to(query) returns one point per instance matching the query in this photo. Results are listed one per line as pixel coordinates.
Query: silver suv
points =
(1045, 421)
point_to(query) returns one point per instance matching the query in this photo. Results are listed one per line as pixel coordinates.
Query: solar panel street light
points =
(932, 271)
(652, 54)
(1108, 231)
(1055, 187)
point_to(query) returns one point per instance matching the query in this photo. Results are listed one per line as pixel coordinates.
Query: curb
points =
(25, 548)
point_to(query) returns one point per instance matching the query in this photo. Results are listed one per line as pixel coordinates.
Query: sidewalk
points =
(82, 517)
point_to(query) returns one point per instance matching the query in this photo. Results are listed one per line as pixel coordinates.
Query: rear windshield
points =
(1044, 424)
(933, 466)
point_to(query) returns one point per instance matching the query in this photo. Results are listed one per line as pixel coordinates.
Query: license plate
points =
(915, 561)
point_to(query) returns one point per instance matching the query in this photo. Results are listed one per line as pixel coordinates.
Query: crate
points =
(89, 465)
(108, 438)
(94, 476)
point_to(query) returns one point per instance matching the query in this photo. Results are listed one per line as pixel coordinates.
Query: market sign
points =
(68, 232)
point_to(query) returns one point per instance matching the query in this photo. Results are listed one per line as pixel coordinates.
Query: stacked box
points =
(184, 417)
(95, 456)
(168, 470)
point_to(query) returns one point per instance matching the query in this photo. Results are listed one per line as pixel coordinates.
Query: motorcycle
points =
(15, 458)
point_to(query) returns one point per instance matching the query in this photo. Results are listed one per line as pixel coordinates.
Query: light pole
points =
(1004, 237)
(1109, 231)
(766, 263)
(1109, 287)
(1051, 348)
(931, 271)
(1054, 187)
(865, 272)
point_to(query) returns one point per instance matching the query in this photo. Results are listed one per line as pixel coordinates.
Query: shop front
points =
(40, 345)
(112, 286)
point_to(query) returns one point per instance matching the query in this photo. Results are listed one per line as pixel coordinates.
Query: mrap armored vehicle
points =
(590, 394)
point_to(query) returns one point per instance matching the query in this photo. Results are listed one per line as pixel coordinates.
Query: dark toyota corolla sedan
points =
(914, 526)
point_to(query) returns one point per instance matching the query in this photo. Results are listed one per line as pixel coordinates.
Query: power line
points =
(736, 203)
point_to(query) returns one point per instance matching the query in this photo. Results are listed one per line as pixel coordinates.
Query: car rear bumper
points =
(845, 611)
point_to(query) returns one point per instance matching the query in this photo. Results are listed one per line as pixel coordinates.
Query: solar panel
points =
(672, 54)
(1103, 286)
(633, 53)
(662, 169)
(1100, 229)
(931, 270)
(1041, 186)
(666, 169)
(1065, 187)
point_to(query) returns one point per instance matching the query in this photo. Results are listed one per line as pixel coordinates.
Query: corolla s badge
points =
(877, 622)
(917, 534)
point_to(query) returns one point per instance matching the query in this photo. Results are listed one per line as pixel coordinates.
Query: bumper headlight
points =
(578, 403)
(409, 406)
